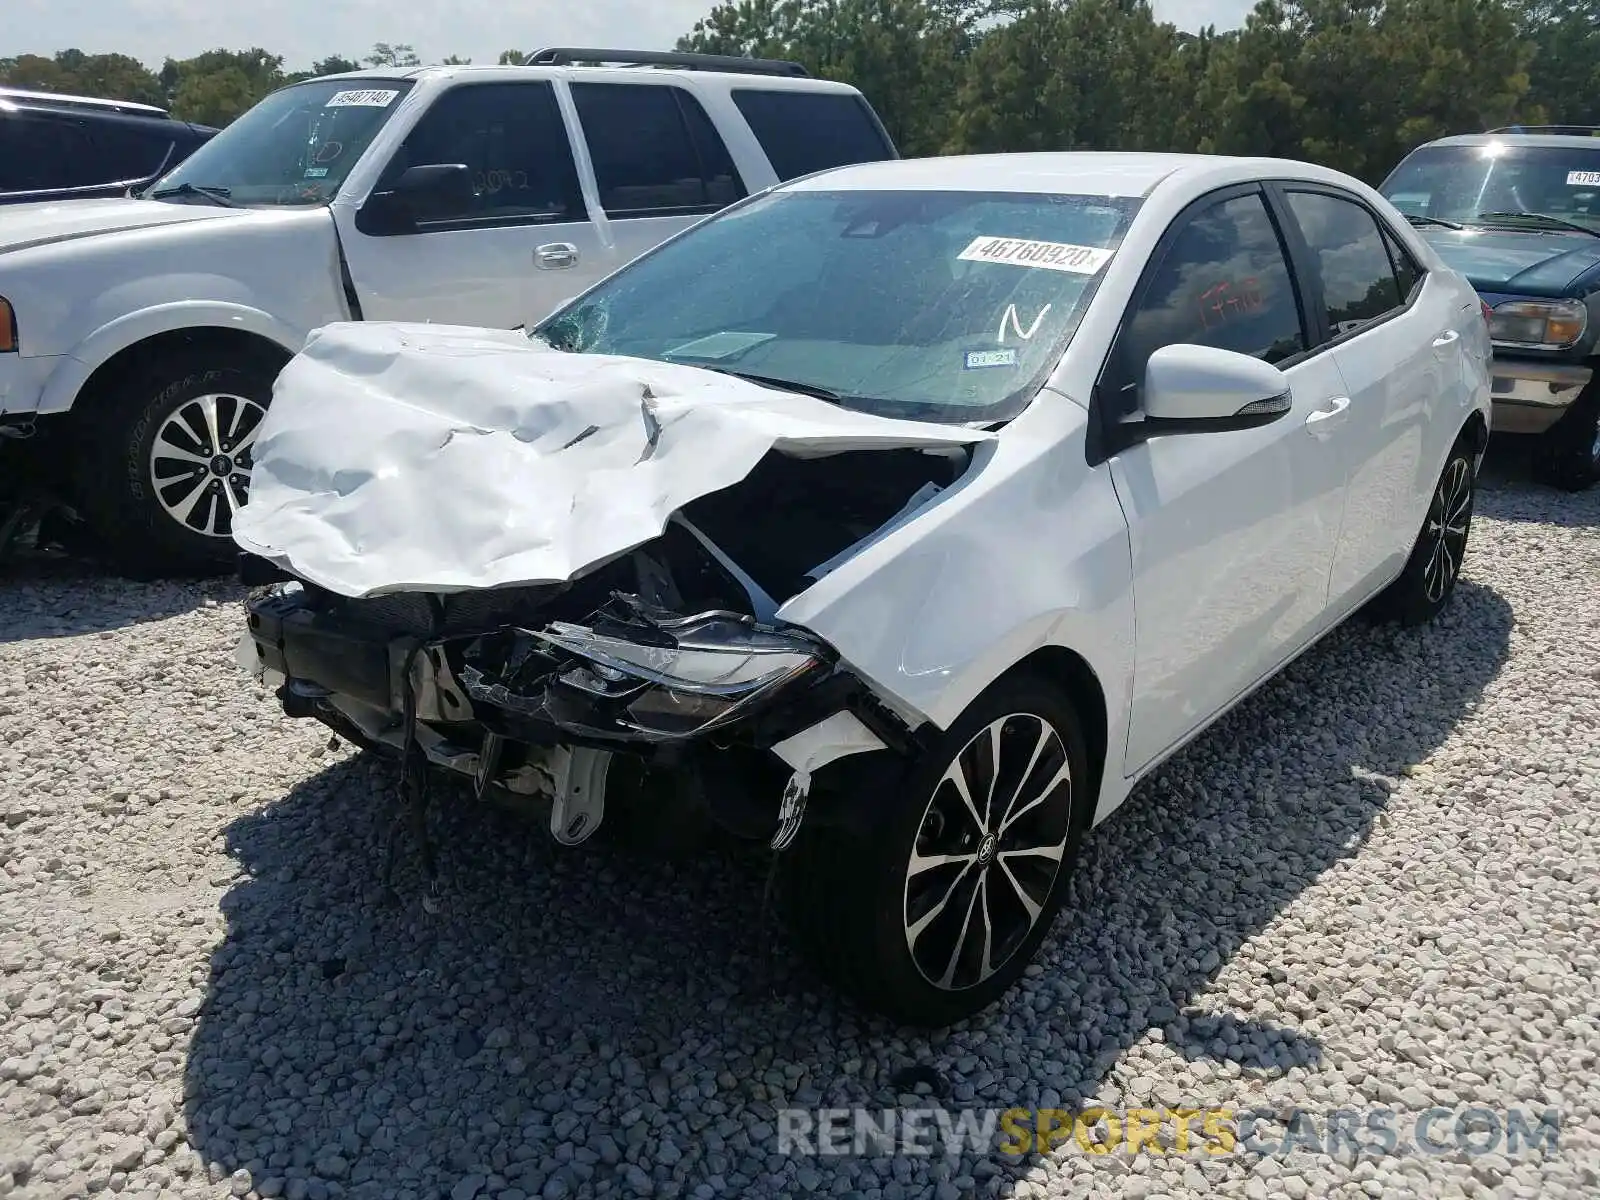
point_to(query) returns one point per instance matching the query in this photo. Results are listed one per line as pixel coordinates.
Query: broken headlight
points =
(685, 676)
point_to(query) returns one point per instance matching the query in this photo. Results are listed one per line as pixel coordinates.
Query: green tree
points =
(513, 58)
(215, 87)
(386, 55)
(905, 55)
(1080, 74)
(1564, 72)
(455, 60)
(107, 76)
(334, 64)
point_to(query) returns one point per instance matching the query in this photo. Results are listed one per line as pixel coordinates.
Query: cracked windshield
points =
(944, 306)
(294, 148)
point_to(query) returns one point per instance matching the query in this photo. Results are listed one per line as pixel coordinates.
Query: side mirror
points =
(426, 192)
(1200, 389)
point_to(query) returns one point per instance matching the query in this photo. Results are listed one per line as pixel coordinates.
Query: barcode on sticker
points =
(374, 98)
(1048, 256)
(1583, 179)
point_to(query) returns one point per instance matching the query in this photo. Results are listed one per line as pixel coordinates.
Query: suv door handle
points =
(1323, 421)
(1448, 338)
(555, 256)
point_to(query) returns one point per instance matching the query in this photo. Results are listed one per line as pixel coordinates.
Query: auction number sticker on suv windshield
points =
(1049, 256)
(362, 99)
(1584, 179)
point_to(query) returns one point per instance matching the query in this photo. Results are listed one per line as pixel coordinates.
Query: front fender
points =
(74, 369)
(1030, 550)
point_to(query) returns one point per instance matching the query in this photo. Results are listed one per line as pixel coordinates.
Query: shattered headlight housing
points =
(682, 677)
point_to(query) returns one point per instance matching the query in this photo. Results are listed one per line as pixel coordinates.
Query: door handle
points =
(555, 256)
(1323, 421)
(1448, 338)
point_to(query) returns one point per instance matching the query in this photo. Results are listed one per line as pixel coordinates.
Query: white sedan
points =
(901, 518)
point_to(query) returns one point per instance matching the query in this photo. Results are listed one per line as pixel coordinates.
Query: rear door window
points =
(802, 132)
(655, 151)
(38, 152)
(1359, 284)
(129, 152)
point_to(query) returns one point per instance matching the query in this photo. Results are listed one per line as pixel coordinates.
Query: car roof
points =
(1067, 172)
(1562, 140)
(629, 74)
(93, 103)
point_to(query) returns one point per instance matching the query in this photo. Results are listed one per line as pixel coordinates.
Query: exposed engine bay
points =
(660, 683)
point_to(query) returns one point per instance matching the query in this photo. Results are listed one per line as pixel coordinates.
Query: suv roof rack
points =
(566, 56)
(1568, 130)
(89, 102)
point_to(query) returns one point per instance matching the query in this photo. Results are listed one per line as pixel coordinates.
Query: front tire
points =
(1434, 568)
(168, 463)
(937, 912)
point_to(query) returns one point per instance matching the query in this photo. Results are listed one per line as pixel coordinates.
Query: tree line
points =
(1350, 83)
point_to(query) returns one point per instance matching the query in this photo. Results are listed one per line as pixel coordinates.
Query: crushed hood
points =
(23, 226)
(1515, 262)
(400, 457)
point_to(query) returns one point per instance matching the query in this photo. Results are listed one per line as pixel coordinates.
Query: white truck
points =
(140, 336)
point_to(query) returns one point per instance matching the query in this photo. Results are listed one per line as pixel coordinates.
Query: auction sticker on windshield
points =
(1049, 256)
(361, 99)
(1584, 179)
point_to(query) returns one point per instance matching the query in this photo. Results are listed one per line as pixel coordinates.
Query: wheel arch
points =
(1070, 671)
(130, 342)
(1476, 431)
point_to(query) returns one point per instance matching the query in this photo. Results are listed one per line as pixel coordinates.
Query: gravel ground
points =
(1375, 884)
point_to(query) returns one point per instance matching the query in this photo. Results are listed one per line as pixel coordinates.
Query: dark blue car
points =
(76, 147)
(1517, 211)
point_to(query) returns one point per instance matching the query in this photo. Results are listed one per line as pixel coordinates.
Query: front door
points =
(494, 262)
(1232, 533)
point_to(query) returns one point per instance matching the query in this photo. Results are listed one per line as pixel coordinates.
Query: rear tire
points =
(904, 934)
(1568, 455)
(167, 461)
(1434, 568)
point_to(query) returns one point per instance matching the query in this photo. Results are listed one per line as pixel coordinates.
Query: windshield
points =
(1467, 183)
(293, 148)
(942, 306)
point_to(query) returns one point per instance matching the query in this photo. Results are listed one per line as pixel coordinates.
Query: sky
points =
(306, 30)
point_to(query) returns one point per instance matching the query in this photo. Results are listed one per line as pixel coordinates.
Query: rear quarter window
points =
(802, 132)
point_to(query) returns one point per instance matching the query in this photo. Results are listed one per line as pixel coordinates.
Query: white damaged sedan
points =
(900, 517)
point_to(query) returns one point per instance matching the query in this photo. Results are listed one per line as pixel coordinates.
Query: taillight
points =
(1488, 313)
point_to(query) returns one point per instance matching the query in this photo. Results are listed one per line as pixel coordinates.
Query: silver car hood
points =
(402, 457)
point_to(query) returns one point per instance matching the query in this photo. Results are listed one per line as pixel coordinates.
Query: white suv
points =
(140, 337)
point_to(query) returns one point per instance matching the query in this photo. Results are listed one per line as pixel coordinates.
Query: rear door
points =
(659, 164)
(494, 262)
(1391, 335)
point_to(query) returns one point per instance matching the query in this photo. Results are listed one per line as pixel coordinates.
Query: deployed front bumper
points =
(1531, 396)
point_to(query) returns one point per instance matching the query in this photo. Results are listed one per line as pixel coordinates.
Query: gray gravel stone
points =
(1378, 882)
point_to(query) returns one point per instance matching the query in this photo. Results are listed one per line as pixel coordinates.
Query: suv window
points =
(1358, 278)
(803, 132)
(45, 152)
(654, 149)
(512, 137)
(129, 152)
(1224, 282)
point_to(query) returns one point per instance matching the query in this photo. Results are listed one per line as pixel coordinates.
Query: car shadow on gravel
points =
(563, 1013)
